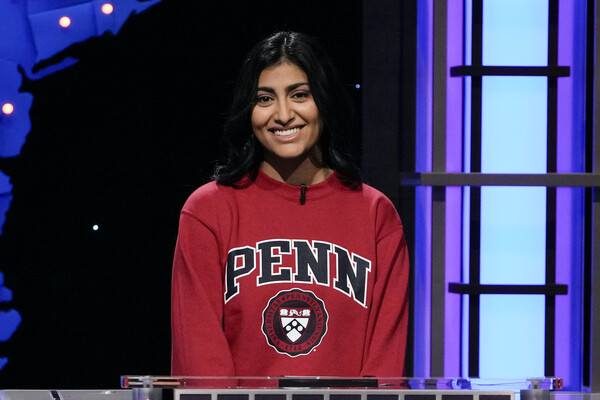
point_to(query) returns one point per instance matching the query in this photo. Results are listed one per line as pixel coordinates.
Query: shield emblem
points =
(294, 322)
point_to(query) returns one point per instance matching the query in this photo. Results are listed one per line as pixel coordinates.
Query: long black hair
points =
(243, 153)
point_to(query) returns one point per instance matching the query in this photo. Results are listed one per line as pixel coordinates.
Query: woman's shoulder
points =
(375, 195)
(205, 192)
(207, 196)
(384, 211)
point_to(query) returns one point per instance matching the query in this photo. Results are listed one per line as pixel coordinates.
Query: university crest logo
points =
(294, 322)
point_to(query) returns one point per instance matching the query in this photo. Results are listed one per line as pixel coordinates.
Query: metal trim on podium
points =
(335, 388)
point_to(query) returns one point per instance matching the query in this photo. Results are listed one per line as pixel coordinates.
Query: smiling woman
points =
(286, 253)
(315, 78)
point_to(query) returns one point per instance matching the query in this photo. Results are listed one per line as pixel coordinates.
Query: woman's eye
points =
(300, 95)
(263, 99)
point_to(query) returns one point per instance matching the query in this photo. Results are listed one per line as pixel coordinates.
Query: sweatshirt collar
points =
(294, 192)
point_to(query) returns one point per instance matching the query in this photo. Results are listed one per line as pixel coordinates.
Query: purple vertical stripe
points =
(454, 157)
(422, 296)
(569, 214)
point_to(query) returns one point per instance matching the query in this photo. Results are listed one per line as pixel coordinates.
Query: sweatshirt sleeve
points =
(388, 319)
(199, 346)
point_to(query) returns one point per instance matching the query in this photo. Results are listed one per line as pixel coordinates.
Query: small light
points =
(65, 22)
(95, 227)
(8, 108)
(357, 86)
(107, 8)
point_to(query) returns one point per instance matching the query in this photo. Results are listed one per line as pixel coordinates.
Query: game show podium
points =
(312, 388)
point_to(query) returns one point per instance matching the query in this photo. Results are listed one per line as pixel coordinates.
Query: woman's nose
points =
(284, 113)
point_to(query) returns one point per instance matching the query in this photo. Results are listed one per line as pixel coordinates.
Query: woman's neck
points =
(294, 171)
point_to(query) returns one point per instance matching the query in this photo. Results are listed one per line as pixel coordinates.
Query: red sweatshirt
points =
(266, 286)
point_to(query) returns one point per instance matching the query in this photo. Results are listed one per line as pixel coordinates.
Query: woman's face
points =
(285, 119)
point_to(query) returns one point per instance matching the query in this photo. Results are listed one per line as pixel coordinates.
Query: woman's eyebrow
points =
(287, 89)
(265, 89)
(295, 86)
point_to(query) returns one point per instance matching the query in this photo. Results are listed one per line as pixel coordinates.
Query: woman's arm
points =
(388, 320)
(199, 346)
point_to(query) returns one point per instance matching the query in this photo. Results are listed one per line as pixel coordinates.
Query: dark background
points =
(120, 140)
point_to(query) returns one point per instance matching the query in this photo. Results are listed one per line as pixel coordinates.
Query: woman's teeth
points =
(287, 132)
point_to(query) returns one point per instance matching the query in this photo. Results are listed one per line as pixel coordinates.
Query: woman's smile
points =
(287, 134)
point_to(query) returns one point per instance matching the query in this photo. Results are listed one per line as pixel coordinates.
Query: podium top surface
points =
(321, 382)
